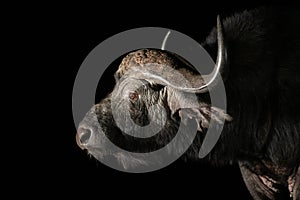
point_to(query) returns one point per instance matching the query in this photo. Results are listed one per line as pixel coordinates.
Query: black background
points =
(69, 33)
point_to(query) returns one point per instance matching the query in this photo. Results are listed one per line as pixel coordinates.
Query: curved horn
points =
(165, 40)
(212, 79)
(221, 56)
(159, 67)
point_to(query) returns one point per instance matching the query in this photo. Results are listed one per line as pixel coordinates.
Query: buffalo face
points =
(155, 90)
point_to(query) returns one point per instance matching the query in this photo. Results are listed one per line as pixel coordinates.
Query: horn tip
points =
(218, 20)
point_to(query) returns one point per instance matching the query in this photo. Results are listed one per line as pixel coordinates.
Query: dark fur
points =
(263, 86)
(263, 91)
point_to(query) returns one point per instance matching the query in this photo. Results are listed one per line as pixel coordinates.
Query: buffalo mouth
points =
(141, 145)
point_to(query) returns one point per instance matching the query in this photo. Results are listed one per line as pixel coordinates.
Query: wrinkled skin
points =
(262, 127)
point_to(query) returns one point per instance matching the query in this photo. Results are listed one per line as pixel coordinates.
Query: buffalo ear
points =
(203, 115)
(188, 107)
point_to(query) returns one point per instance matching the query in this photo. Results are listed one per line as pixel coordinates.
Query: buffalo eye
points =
(133, 96)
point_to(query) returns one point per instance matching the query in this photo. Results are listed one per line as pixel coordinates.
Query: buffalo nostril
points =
(84, 135)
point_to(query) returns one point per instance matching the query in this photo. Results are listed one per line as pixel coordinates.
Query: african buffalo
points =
(257, 53)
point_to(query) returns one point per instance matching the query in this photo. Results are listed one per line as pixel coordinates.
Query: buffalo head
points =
(155, 90)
